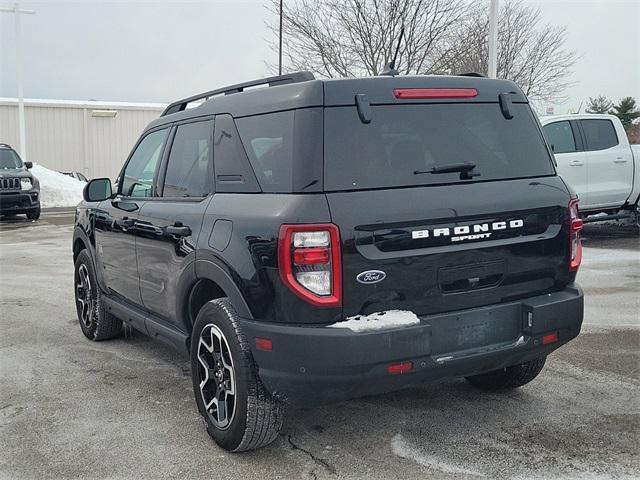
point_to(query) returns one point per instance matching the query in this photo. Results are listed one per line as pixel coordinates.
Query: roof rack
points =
(294, 77)
(6, 145)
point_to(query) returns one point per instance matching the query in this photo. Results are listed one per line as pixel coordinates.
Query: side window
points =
(600, 134)
(137, 178)
(268, 141)
(189, 166)
(560, 136)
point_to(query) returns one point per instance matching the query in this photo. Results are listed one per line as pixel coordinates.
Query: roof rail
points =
(294, 77)
(5, 145)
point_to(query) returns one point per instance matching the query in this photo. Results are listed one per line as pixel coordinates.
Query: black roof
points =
(302, 90)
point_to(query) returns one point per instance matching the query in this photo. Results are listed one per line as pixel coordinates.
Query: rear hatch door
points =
(440, 242)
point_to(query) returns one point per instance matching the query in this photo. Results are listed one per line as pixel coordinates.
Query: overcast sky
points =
(161, 51)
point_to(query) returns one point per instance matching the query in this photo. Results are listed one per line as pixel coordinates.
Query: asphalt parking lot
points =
(70, 408)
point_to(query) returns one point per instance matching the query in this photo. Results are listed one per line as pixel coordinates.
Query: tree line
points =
(345, 38)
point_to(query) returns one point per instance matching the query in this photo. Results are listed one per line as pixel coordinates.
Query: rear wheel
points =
(239, 413)
(96, 323)
(509, 377)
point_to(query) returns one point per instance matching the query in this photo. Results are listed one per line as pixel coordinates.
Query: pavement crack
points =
(319, 462)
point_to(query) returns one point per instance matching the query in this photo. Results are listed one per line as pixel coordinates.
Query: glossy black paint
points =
(166, 234)
(153, 254)
(251, 257)
(376, 227)
(115, 244)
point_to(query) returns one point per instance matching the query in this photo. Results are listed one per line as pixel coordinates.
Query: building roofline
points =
(46, 102)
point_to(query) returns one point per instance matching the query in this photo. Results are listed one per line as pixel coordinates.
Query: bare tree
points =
(343, 38)
(530, 53)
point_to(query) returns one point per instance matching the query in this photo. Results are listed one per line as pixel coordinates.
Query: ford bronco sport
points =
(317, 240)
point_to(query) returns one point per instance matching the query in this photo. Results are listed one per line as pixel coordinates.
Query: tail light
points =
(575, 245)
(309, 261)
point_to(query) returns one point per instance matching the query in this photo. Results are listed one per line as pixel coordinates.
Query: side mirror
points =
(28, 165)
(97, 190)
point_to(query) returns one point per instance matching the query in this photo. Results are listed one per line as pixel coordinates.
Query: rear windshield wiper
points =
(463, 168)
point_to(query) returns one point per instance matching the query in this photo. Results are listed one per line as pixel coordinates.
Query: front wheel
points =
(34, 214)
(96, 323)
(239, 413)
(509, 377)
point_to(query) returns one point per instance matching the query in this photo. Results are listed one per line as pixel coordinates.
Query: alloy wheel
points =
(217, 376)
(84, 295)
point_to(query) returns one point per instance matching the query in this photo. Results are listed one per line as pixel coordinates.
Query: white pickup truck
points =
(595, 158)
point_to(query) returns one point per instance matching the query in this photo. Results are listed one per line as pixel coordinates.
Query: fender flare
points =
(206, 269)
(80, 234)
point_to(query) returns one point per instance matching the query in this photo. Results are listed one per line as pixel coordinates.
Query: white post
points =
(21, 122)
(492, 71)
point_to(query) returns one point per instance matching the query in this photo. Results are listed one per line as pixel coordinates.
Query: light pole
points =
(492, 71)
(21, 124)
(280, 43)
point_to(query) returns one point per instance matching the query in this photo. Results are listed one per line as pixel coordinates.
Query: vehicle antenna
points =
(390, 68)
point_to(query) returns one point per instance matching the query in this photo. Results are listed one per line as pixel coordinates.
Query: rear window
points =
(600, 134)
(189, 167)
(401, 140)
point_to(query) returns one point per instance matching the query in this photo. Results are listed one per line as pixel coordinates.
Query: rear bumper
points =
(19, 202)
(310, 365)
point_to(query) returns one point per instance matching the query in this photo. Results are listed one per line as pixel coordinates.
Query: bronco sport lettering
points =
(463, 232)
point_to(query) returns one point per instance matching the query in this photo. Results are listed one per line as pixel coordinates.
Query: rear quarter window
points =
(268, 140)
(403, 139)
(285, 149)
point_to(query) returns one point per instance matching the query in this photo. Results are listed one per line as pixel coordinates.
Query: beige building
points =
(89, 137)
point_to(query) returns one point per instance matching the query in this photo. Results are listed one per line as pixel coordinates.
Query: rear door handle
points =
(576, 163)
(177, 230)
(620, 160)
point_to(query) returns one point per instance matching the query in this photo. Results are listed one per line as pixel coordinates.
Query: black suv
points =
(19, 189)
(317, 240)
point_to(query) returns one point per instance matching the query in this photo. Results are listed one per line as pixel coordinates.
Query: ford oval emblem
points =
(371, 276)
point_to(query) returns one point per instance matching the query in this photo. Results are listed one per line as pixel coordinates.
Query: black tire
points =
(96, 323)
(256, 417)
(34, 214)
(509, 377)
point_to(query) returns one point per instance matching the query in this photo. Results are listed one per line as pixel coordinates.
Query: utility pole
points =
(492, 71)
(21, 123)
(280, 43)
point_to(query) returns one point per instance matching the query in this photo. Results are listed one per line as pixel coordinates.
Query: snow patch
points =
(56, 189)
(379, 321)
(403, 449)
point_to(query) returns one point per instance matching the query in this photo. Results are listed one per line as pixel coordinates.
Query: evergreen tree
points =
(600, 104)
(626, 111)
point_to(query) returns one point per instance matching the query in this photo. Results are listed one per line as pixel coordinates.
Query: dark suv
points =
(19, 189)
(317, 240)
